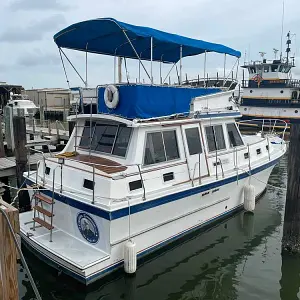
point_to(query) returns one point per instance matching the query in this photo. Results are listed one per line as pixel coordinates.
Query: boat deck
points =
(103, 164)
(64, 246)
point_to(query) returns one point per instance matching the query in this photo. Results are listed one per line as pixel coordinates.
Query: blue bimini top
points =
(111, 37)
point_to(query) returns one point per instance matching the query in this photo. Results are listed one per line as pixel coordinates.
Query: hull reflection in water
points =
(202, 266)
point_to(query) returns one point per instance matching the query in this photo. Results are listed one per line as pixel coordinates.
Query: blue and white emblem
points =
(88, 227)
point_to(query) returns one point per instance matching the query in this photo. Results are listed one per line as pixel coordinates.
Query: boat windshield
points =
(106, 137)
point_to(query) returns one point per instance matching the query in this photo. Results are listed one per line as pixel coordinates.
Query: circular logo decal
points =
(87, 227)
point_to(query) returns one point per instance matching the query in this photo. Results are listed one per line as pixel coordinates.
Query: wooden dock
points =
(8, 164)
(48, 132)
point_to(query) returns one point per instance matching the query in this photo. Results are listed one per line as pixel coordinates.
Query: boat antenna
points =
(288, 48)
(262, 54)
(282, 23)
(275, 52)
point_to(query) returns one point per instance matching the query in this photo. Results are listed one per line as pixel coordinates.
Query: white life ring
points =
(111, 96)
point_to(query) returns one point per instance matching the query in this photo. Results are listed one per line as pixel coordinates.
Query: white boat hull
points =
(151, 228)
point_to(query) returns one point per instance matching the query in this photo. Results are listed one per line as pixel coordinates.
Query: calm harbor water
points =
(239, 258)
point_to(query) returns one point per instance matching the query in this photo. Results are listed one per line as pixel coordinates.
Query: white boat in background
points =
(145, 164)
(22, 101)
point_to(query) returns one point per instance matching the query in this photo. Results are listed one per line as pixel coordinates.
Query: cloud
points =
(38, 58)
(38, 5)
(34, 31)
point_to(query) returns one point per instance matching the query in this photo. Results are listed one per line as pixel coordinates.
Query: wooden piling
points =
(291, 227)
(19, 127)
(8, 254)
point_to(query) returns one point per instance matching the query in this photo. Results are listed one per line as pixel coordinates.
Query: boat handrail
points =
(263, 121)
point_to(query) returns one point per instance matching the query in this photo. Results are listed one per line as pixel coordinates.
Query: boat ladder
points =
(43, 212)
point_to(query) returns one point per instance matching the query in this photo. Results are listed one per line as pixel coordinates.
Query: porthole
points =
(245, 109)
(47, 170)
(281, 91)
(88, 184)
(251, 91)
(296, 111)
(135, 185)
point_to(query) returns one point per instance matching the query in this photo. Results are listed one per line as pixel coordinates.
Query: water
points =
(238, 259)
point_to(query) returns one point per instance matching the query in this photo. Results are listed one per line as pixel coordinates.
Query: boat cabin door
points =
(193, 144)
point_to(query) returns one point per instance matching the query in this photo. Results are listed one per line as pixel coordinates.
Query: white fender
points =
(130, 257)
(249, 197)
(111, 96)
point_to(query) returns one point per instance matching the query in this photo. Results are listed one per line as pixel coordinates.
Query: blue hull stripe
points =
(152, 203)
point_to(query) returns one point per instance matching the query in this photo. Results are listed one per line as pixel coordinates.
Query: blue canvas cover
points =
(106, 36)
(143, 101)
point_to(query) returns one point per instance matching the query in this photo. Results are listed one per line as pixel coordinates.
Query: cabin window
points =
(287, 69)
(160, 147)
(235, 139)
(111, 138)
(274, 68)
(252, 70)
(193, 140)
(122, 140)
(266, 69)
(103, 137)
(215, 138)
(281, 68)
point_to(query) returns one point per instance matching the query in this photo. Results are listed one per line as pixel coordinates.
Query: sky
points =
(29, 56)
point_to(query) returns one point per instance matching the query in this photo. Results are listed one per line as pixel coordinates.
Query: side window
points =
(160, 147)
(154, 152)
(266, 69)
(193, 140)
(215, 138)
(274, 68)
(234, 136)
(87, 134)
(122, 141)
(171, 146)
(281, 68)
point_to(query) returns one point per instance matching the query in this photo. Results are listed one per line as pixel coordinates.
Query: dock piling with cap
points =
(291, 227)
(19, 127)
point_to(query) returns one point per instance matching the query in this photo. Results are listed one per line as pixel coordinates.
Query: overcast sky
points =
(29, 56)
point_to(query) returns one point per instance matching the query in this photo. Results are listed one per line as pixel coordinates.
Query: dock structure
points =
(48, 131)
(8, 164)
(8, 255)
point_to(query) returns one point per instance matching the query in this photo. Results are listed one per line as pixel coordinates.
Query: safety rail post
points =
(52, 205)
(221, 167)
(93, 201)
(142, 181)
(37, 173)
(268, 148)
(44, 175)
